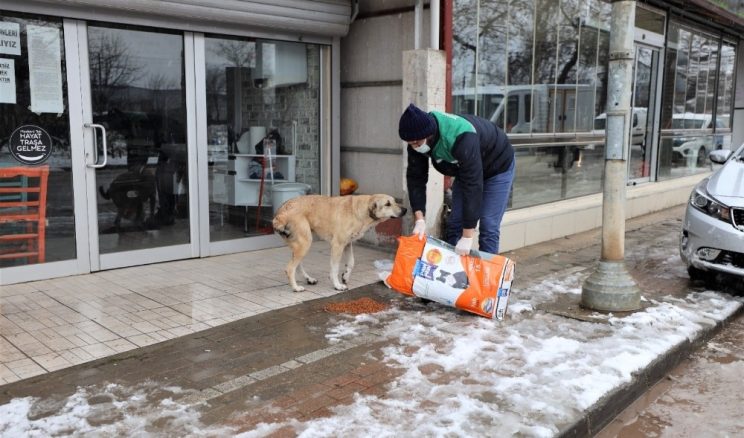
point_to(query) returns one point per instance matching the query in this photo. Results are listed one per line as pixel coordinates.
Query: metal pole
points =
(434, 24)
(610, 287)
(418, 26)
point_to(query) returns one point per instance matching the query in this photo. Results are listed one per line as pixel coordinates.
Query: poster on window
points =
(10, 39)
(45, 69)
(7, 81)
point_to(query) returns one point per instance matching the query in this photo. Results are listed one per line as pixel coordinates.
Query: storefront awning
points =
(325, 18)
(725, 13)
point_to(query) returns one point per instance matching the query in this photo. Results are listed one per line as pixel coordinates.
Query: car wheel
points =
(697, 274)
(701, 157)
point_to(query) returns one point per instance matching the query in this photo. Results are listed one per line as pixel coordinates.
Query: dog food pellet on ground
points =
(356, 307)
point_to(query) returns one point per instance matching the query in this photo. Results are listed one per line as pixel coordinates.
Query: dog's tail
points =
(104, 194)
(281, 227)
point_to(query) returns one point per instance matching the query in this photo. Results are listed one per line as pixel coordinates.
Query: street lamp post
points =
(610, 287)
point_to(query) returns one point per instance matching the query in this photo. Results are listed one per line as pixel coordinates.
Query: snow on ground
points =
(529, 375)
(462, 375)
(114, 410)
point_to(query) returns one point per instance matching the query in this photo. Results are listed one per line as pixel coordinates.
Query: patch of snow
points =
(529, 375)
(116, 411)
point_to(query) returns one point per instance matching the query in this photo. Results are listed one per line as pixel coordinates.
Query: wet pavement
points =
(413, 369)
(701, 397)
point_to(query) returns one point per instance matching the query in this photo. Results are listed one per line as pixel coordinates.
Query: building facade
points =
(141, 132)
(538, 68)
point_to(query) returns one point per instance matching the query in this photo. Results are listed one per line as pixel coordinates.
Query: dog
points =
(339, 220)
(129, 192)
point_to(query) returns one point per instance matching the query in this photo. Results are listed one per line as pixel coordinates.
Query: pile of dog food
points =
(356, 307)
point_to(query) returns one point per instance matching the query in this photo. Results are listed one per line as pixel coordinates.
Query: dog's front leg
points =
(337, 251)
(349, 263)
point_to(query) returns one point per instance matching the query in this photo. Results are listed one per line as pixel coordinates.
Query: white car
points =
(712, 238)
(693, 150)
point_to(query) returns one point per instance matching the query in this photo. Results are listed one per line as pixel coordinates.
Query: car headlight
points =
(703, 202)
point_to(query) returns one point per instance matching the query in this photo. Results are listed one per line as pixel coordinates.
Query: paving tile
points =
(6, 374)
(52, 361)
(20, 339)
(234, 384)
(8, 352)
(310, 405)
(25, 368)
(120, 345)
(98, 350)
(145, 327)
(58, 343)
(83, 355)
(35, 349)
(142, 340)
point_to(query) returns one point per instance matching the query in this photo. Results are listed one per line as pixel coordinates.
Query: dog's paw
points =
(345, 277)
(341, 287)
(298, 289)
(311, 280)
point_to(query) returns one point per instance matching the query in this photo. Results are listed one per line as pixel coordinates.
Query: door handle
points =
(95, 164)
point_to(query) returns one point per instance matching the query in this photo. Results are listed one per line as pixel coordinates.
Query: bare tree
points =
(111, 66)
(216, 87)
(239, 53)
(159, 84)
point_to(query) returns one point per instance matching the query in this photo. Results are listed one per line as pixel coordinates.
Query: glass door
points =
(134, 86)
(41, 236)
(260, 133)
(643, 104)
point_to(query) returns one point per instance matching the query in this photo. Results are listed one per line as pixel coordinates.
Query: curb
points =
(611, 405)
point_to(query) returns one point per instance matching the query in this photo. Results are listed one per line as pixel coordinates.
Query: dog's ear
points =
(372, 209)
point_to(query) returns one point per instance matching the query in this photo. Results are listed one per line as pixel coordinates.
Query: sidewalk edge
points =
(611, 405)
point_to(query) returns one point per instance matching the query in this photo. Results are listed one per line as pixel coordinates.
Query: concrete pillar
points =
(424, 82)
(610, 287)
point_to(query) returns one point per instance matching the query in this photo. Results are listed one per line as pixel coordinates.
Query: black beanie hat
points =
(416, 124)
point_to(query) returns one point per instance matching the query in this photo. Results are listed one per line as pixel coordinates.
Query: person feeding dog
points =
(474, 151)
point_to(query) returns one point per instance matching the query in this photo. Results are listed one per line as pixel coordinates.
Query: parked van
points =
(637, 127)
(522, 109)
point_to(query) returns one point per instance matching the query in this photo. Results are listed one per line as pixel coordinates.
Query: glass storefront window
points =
(692, 125)
(726, 84)
(33, 92)
(556, 58)
(536, 68)
(263, 128)
(552, 173)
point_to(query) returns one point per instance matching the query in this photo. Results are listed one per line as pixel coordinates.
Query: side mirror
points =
(719, 156)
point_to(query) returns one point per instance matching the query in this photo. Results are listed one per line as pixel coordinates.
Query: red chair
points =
(23, 196)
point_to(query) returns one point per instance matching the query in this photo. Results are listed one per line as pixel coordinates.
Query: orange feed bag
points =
(479, 283)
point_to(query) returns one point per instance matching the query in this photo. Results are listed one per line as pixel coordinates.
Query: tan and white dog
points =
(339, 220)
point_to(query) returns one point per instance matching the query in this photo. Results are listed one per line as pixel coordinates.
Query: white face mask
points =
(422, 148)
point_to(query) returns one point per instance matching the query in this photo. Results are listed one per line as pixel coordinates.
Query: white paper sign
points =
(10, 38)
(7, 81)
(44, 69)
